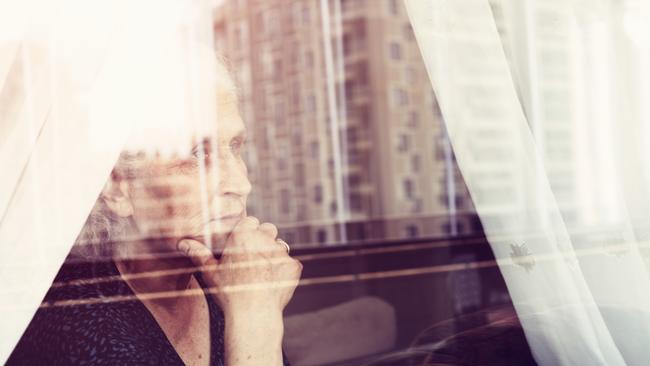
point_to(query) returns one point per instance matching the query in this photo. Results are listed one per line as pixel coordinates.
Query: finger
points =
(256, 244)
(269, 229)
(240, 237)
(247, 223)
(284, 245)
(274, 249)
(198, 253)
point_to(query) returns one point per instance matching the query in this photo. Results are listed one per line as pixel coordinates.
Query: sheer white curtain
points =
(546, 107)
(79, 79)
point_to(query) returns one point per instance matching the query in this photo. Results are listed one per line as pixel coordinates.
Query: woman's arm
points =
(253, 281)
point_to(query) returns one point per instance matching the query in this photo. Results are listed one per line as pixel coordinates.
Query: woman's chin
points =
(214, 235)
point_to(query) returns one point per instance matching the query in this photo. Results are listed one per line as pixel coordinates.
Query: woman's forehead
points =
(223, 132)
(227, 123)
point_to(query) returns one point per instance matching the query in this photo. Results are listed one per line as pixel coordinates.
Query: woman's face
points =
(200, 192)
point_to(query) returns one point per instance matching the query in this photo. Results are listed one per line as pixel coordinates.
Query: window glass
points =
(324, 182)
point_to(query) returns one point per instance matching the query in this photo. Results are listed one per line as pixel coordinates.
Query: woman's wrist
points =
(254, 338)
(270, 321)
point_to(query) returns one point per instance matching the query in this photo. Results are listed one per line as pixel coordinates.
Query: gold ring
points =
(280, 241)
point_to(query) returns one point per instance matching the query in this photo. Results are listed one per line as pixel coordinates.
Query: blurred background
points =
(350, 156)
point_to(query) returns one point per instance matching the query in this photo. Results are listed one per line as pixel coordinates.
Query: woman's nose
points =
(233, 177)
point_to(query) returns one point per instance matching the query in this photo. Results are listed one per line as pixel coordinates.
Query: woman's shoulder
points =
(86, 315)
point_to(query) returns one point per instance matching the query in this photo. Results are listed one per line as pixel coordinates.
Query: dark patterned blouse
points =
(100, 323)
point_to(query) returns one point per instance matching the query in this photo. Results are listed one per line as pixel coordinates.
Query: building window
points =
(435, 107)
(309, 59)
(333, 208)
(359, 30)
(279, 114)
(362, 73)
(260, 22)
(393, 7)
(296, 141)
(356, 202)
(296, 96)
(417, 206)
(330, 167)
(266, 63)
(352, 134)
(401, 96)
(410, 75)
(282, 157)
(306, 14)
(277, 70)
(310, 104)
(415, 163)
(412, 231)
(354, 180)
(364, 117)
(261, 100)
(273, 21)
(285, 201)
(354, 156)
(321, 236)
(318, 193)
(356, 231)
(238, 38)
(296, 15)
(313, 150)
(347, 44)
(350, 88)
(302, 213)
(299, 175)
(413, 120)
(408, 188)
(403, 143)
(408, 32)
(351, 4)
(395, 51)
(439, 150)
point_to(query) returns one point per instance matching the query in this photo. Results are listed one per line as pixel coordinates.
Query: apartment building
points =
(346, 137)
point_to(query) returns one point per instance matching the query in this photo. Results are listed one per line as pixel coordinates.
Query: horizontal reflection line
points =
(343, 253)
(531, 259)
(304, 282)
(302, 258)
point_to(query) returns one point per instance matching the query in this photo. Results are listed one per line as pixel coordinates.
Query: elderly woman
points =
(164, 297)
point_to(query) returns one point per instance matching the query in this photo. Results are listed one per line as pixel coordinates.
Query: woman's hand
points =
(252, 282)
(255, 273)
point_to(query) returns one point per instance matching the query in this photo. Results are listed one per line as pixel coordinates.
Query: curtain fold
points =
(79, 81)
(544, 108)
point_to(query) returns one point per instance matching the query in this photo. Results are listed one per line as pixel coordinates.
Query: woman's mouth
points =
(225, 222)
(234, 216)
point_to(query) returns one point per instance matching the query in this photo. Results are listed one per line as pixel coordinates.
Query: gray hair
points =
(103, 227)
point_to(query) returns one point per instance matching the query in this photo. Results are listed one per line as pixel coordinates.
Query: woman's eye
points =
(196, 153)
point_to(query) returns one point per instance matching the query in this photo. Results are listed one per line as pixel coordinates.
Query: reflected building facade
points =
(345, 134)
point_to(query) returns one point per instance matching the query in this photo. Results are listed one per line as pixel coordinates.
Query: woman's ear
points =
(116, 196)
